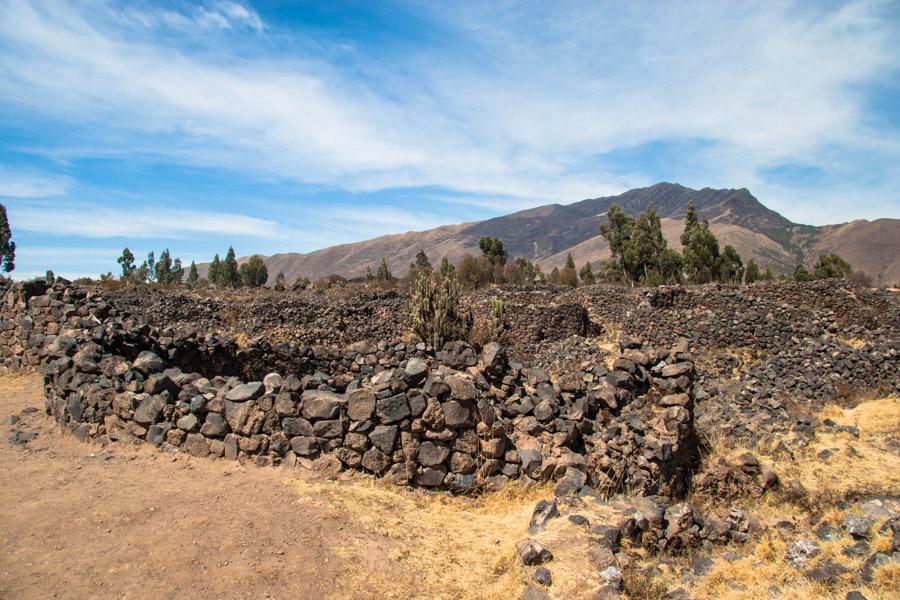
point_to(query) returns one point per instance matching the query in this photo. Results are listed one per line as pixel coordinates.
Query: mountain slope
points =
(547, 233)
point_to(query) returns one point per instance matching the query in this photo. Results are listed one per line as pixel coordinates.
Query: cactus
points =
(498, 317)
(434, 306)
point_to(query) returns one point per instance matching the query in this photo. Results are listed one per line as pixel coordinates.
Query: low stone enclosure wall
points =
(757, 351)
(450, 419)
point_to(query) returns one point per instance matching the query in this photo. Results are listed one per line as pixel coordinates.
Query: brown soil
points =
(81, 521)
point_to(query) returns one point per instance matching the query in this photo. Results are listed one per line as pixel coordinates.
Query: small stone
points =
(148, 362)
(196, 445)
(360, 404)
(320, 404)
(542, 576)
(149, 410)
(415, 372)
(827, 572)
(858, 527)
(571, 483)
(543, 512)
(601, 556)
(273, 383)
(608, 535)
(188, 422)
(455, 414)
(392, 409)
(532, 553)
(245, 392)
(799, 553)
(214, 426)
(533, 593)
(432, 453)
(383, 437)
(857, 550)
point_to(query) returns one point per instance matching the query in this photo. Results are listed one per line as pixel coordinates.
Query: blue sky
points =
(283, 126)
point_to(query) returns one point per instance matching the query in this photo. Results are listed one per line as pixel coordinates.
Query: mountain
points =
(546, 234)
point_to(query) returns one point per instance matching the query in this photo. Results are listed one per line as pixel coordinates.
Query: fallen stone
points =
(533, 553)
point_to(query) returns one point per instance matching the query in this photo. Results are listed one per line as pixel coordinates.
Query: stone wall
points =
(453, 419)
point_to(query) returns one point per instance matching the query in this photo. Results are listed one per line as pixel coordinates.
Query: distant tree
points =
(50, 277)
(642, 259)
(150, 263)
(768, 275)
(7, 246)
(522, 272)
(752, 272)
(617, 232)
(368, 274)
(279, 281)
(422, 261)
(177, 273)
(193, 276)
(447, 268)
(493, 250)
(731, 269)
(702, 262)
(214, 275)
(831, 266)
(163, 268)
(801, 274)
(568, 276)
(555, 276)
(384, 272)
(671, 266)
(475, 272)
(230, 275)
(127, 263)
(420, 267)
(587, 274)
(254, 273)
(690, 221)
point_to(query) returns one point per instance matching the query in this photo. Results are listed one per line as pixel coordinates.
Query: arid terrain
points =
(246, 532)
(679, 442)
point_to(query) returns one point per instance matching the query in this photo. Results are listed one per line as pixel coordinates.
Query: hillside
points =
(547, 233)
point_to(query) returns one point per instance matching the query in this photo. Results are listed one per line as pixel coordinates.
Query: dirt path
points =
(80, 521)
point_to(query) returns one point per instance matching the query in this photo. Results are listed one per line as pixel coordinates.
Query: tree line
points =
(168, 271)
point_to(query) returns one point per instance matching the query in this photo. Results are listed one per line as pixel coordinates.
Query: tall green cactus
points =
(435, 309)
(498, 317)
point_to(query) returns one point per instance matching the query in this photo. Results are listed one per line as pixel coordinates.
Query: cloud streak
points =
(94, 221)
(523, 106)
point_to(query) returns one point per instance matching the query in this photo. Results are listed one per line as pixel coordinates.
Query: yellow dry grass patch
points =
(762, 572)
(872, 471)
(432, 545)
(855, 343)
(856, 467)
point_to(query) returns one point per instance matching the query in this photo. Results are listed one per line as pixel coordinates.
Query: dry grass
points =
(857, 467)
(433, 545)
(855, 343)
(867, 470)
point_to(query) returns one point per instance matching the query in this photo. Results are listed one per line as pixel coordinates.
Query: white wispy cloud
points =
(30, 183)
(523, 107)
(96, 221)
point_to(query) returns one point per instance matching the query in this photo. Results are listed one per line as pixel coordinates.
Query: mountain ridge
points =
(545, 234)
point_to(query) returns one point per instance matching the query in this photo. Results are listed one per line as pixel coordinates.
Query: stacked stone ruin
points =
(453, 419)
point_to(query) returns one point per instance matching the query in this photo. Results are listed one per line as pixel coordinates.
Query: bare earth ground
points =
(81, 521)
